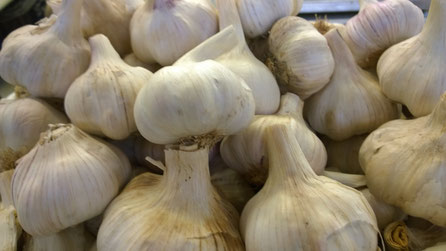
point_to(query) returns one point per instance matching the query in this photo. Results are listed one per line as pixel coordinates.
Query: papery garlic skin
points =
(22, 121)
(411, 72)
(67, 178)
(298, 210)
(302, 60)
(132, 60)
(47, 60)
(245, 150)
(258, 16)
(177, 211)
(163, 30)
(411, 151)
(198, 99)
(380, 25)
(101, 100)
(352, 102)
(10, 229)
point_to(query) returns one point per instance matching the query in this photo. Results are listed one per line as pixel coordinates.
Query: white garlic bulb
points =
(258, 16)
(352, 180)
(245, 150)
(343, 155)
(380, 25)
(46, 60)
(67, 178)
(352, 102)
(301, 58)
(132, 60)
(411, 72)
(298, 210)
(108, 17)
(412, 151)
(10, 229)
(229, 48)
(71, 239)
(177, 211)
(163, 30)
(22, 120)
(101, 100)
(200, 102)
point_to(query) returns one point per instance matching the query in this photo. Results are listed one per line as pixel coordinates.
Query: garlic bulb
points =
(412, 151)
(163, 30)
(283, 215)
(344, 154)
(302, 60)
(62, 170)
(132, 60)
(352, 102)
(71, 239)
(385, 213)
(10, 229)
(177, 211)
(244, 151)
(230, 184)
(258, 16)
(108, 17)
(46, 60)
(380, 25)
(22, 121)
(229, 48)
(411, 72)
(200, 102)
(352, 180)
(101, 100)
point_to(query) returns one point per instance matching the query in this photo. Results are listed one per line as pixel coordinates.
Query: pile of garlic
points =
(223, 125)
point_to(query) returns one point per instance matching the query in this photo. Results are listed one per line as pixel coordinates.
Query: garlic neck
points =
(186, 179)
(68, 24)
(434, 30)
(228, 15)
(102, 49)
(291, 105)
(287, 163)
(364, 3)
(342, 55)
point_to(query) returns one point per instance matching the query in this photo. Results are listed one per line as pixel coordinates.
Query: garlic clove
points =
(282, 215)
(108, 17)
(411, 151)
(244, 152)
(258, 16)
(378, 26)
(132, 60)
(163, 30)
(352, 102)
(177, 211)
(71, 239)
(344, 154)
(10, 229)
(107, 91)
(52, 184)
(47, 60)
(202, 102)
(411, 72)
(301, 58)
(229, 48)
(22, 120)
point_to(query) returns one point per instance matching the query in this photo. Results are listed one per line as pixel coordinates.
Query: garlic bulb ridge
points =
(301, 58)
(201, 102)
(411, 72)
(163, 30)
(413, 151)
(244, 151)
(229, 48)
(380, 25)
(47, 60)
(282, 215)
(258, 17)
(53, 184)
(101, 100)
(177, 211)
(352, 102)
